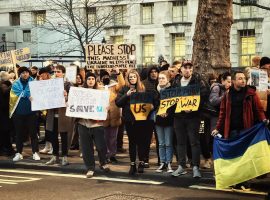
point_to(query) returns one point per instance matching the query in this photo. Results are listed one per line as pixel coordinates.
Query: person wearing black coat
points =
(5, 121)
(137, 131)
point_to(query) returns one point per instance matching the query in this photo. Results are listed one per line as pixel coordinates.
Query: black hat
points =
(88, 74)
(103, 73)
(23, 69)
(44, 70)
(187, 62)
(264, 61)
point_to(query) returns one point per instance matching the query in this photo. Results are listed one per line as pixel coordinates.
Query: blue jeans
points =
(165, 139)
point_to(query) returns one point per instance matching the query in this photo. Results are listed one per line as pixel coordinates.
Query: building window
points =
(148, 49)
(179, 46)
(118, 39)
(247, 47)
(26, 36)
(92, 16)
(147, 13)
(39, 17)
(179, 11)
(119, 15)
(14, 19)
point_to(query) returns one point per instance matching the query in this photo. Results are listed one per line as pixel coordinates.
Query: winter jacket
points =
(252, 111)
(217, 92)
(114, 113)
(204, 93)
(5, 121)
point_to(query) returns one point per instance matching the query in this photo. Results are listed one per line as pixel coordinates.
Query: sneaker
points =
(36, 156)
(196, 172)
(53, 160)
(50, 152)
(141, 167)
(132, 169)
(161, 167)
(17, 157)
(113, 159)
(146, 165)
(89, 174)
(207, 164)
(64, 161)
(105, 168)
(180, 171)
(47, 148)
(169, 168)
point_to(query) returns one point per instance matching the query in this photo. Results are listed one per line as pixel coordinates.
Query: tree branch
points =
(252, 3)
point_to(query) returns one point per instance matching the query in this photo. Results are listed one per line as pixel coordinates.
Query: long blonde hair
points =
(139, 85)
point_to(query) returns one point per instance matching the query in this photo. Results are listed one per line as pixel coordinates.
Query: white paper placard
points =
(259, 79)
(71, 73)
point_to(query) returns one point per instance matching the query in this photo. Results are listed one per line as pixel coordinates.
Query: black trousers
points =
(55, 141)
(26, 123)
(120, 135)
(138, 135)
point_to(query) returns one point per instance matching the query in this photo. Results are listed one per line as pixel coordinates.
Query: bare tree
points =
(80, 20)
(211, 41)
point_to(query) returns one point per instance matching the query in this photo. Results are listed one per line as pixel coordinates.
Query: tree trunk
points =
(211, 41)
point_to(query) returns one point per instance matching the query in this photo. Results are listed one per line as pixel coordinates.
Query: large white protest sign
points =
(71, 73)
(88, 103)
(47, 94)
(104, 56)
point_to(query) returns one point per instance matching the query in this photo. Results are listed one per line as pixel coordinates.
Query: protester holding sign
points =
(164, 127)
(136, 107)
(23, 116)
(57, 122)
(92, 131)
(187, 123)
(113, 120)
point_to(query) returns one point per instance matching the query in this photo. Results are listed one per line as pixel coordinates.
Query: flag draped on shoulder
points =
(16, 93)
(242, 158)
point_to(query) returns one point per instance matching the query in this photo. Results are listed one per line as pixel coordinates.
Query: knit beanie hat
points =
(23, 69)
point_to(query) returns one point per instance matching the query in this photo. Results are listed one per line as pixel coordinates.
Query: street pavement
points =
(119, 175)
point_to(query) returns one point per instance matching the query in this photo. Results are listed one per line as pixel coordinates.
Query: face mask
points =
(106, 81)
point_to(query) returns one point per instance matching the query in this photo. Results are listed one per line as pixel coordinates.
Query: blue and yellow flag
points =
(17, 91)
(242, 158)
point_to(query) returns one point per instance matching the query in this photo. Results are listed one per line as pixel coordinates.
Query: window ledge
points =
(257, 19)
(177, 23)
(117, 27)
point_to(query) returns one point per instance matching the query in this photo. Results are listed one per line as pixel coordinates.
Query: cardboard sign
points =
(141, 104)
(88, 103)
(187, 99)
(6, 59)
(20, 55)
(47, 94)
(11, 58)
(71, 73)
(104, 56)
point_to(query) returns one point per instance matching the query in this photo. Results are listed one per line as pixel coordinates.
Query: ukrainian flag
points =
(242, 158)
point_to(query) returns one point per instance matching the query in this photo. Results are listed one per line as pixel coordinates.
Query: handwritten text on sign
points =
(6, 59)
(88, 103)
(103, 56)
(186, 99)
(47, 94)
(141, 104)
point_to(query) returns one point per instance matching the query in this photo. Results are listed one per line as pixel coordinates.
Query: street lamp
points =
(103, 41)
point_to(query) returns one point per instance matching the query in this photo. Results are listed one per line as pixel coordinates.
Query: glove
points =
(266, 122)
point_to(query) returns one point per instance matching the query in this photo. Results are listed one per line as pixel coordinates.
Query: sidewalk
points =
(120, 170)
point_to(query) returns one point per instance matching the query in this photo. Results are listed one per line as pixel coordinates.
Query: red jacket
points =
(250, 111)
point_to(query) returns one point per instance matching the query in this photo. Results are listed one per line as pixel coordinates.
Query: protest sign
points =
(20, 55)
(104, 56)
(47, 94)
(259, 79)
(6, 59)
(71, 73)
(187, 99)
(141, 103)
(88, 103)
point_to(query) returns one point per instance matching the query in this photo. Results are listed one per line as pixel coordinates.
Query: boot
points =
(141, 167)
(132, 169)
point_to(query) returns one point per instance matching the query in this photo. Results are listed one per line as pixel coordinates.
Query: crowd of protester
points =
(187, 135)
